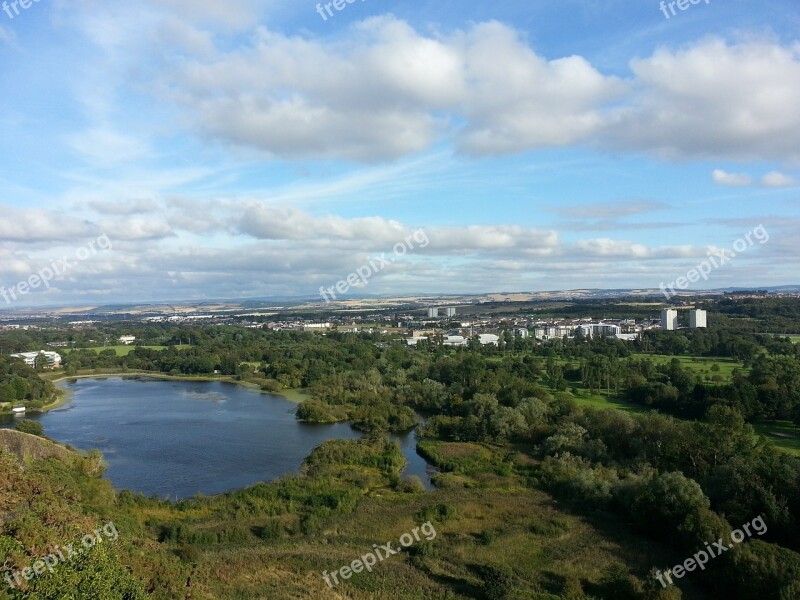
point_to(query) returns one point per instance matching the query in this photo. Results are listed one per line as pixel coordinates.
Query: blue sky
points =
(253, 148)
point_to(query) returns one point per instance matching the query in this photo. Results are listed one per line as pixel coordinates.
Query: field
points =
(701, 365)
(783, 434)
(584, 398)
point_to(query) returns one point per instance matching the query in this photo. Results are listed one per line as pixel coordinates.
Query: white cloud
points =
(136, 228)
(39, 225)
(289, 223)
(390, 91)
(734, 179)
(543, 102)
(255, 249)
(624, 249)
(714, 99)
(778, 179)
(124, 207)
(387, 90)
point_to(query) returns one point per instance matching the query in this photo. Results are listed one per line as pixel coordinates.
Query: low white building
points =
(487, 339)
(455, 340)
(553, 332)
(53, 358)
(628, 337)
(127, 339)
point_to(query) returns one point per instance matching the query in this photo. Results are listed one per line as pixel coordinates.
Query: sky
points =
(196, 150)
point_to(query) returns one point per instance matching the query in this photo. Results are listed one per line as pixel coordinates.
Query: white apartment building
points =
(669, 319)
(698, 319)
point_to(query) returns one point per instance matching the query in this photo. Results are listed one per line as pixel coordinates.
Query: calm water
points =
(178, 438)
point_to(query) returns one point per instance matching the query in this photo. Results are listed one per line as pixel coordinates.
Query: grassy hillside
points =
(271, 541)
(28, 448)
(52, 504)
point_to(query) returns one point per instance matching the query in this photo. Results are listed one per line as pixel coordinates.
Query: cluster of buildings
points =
(624, 329)
(453, 338)
(53, 358)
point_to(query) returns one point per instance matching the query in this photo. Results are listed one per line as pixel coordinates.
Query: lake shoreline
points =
(293, 395)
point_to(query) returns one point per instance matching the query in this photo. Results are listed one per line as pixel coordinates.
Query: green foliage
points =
(29, 426)
(497, 582)
(498, 420)
(437, 513)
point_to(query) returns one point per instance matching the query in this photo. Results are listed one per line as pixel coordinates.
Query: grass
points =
(296, 395)
(486, 516)
(784, 435)
(701, 365)
(602, 401)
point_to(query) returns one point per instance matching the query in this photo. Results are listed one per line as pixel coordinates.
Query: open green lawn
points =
(121, 350)
(783, 434)
(795, 339)
(584, 397)
(701, 365)
(601, 401)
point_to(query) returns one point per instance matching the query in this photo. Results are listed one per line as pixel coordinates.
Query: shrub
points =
(30, 426)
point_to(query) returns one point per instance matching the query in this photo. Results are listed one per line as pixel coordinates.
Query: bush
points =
(30, 426)
(411, 485)
(498, 583)
(438, 512)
